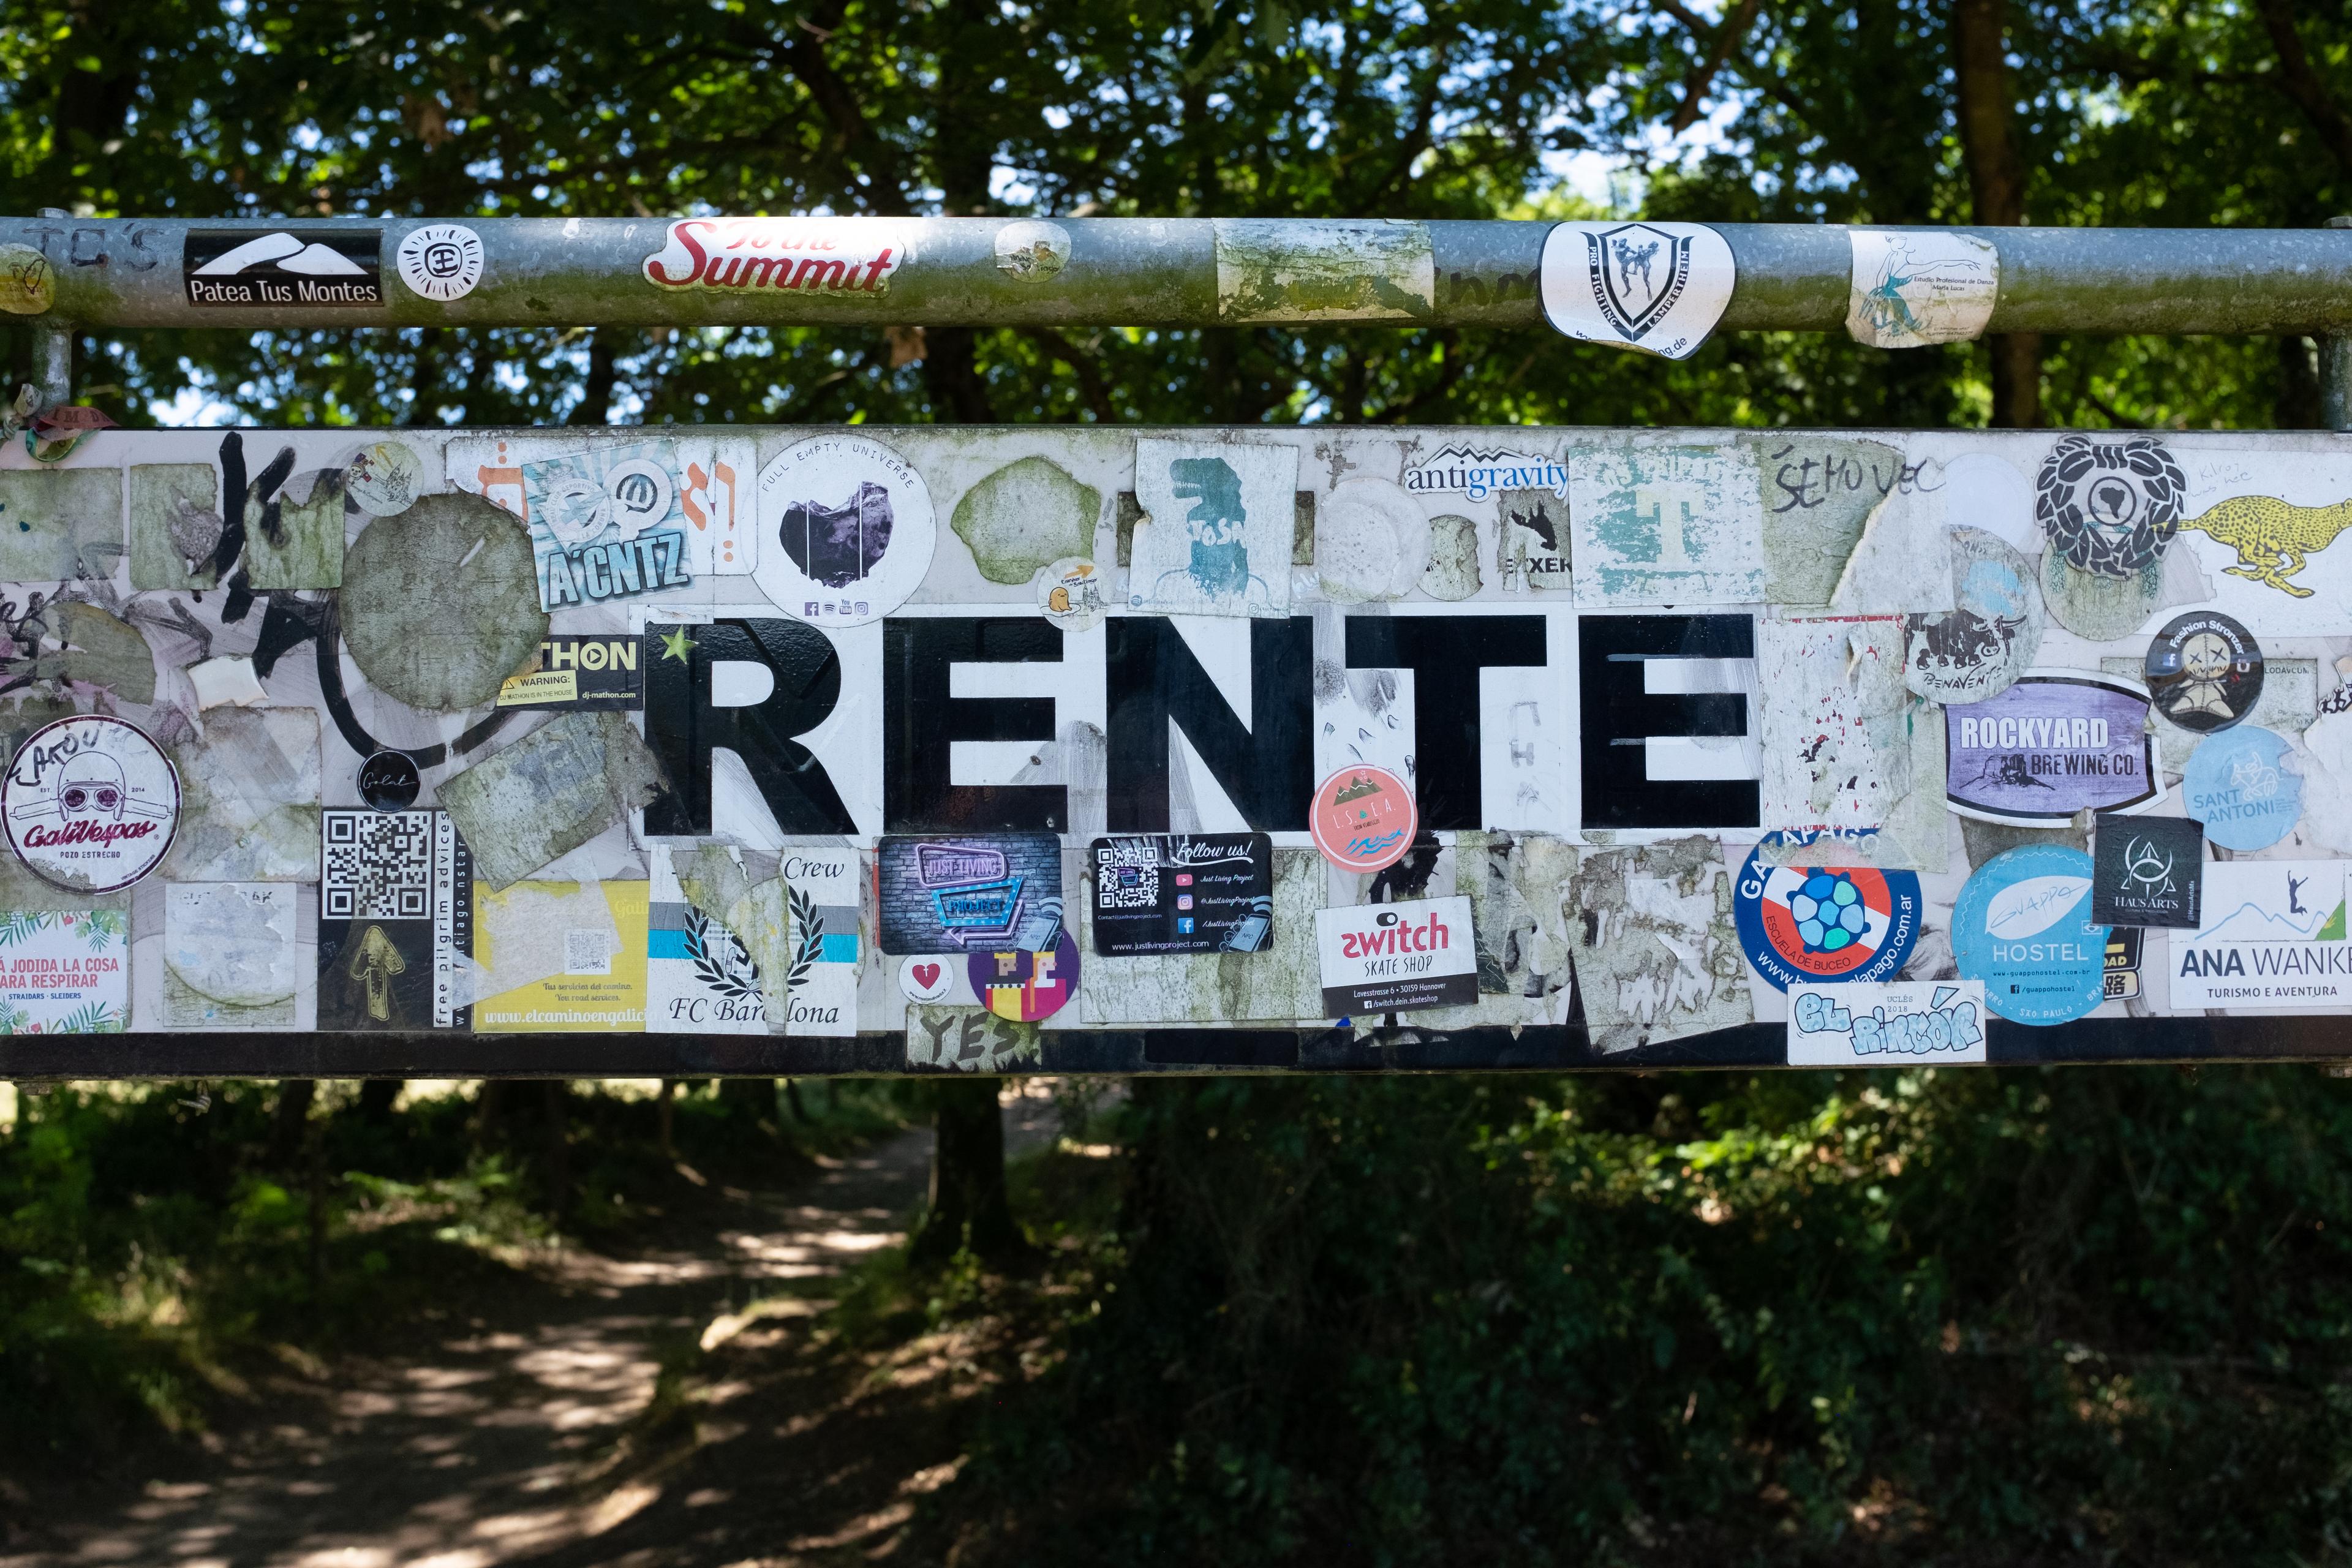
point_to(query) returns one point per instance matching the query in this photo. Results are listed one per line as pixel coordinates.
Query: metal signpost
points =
(692, 750)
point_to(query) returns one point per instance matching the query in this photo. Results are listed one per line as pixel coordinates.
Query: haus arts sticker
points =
(2149, 871)
(1394, 958)
(338, 268)
(1183, 892)
(2056, 743)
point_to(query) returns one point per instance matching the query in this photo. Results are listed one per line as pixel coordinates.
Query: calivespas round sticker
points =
(91, 803)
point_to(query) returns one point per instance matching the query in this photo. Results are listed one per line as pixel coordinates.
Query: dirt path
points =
(525, 1435)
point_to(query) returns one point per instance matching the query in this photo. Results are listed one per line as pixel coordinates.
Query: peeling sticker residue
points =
(231, 960)
(175, 524)
(59, 524)
(550, 793)
(1216, 534)
(1296, 269)
(1371, 542)
(1024, 516)
(1453, 572)
(1827, 690)
(292, 542)
(250, 784)
(1667, 525)
(425, 630)
(81, 644)
(1819, 492)
(1658, 956)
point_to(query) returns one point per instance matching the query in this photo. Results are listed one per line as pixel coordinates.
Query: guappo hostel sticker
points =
(91, 803)
(2022, 926)
(848, 530)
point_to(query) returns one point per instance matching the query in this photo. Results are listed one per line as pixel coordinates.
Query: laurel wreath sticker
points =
(725, 964)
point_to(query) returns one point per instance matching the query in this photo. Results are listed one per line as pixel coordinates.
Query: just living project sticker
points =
(949, 895)
(1917, 1023)
(1822, 924)
(65, 972)
(1182, 892)
(2273, 938)
(1394, 958)
(2022, 926)
(2056, 743)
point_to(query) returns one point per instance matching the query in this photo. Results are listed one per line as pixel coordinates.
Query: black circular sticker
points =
(2109, 507)
(389, 781)
(2204, 670)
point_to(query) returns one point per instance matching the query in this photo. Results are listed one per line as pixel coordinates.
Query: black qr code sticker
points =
(379, 866)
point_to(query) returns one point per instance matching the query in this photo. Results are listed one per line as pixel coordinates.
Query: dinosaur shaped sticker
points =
(1216, 538)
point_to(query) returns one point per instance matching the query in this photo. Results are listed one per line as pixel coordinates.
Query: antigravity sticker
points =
(441, 261)
(2204, 670)
(1911, 288)
(1818, 924)
(2109, 507)
(848, 530)
(1183, 892)
(2149, 871)
(2022, 926)
(1977, 649)
(581, 672)
(1477, 472)
(2273, 938)
(1657, 288)
(1363, 818)
(389, 781)
(855, 256)
(2056, 743)
(2244, 786)
(1393, 958)
(1023, 985)
(970, 895)
(91, 803)
(1920, 1023)
(341, 269)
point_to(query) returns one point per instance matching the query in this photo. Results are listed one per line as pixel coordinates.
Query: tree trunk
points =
(377, 1096)
(556, 1160)
(289, 1120)
(2297, 407)
(667, 1104)
(969, 1205)
(1996, 185)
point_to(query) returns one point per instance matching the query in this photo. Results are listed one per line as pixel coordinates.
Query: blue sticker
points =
(1807, 923)
(2022, 925)
(2243, 786)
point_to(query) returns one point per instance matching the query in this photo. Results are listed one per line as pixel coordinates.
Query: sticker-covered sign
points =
(1363, 818)
(852, 257)
(340, 268)
(441, 261)
(1916, 1023)
(395, 921)
(2204, 670)
(2245, 785)
(1023, 985)
(2273, 938)
(2056, 743)
(1912, 288)
(91, 803)
(65, 972)
(1818, 924)
(2022, 926)
(1393, 958)
(1183, 892)
(581, 672)
(2149, 871)
(846, 531)
(970, 895)
(1659, 288)
(700, 977)
(2109, 507)
(1977, 648)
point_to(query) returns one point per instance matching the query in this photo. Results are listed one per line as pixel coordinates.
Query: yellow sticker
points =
(546, 686)
(567, 958)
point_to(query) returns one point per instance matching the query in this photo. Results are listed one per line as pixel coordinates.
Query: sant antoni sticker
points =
(91, 803)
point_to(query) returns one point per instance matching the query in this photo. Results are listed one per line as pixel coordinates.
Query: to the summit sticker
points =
(334, 269)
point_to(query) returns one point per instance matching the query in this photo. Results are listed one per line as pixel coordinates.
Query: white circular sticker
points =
(927, 977)
(640, 491)
(848, 530)
(1070, 592)
(441, 261)
(91, 803)
(385, 478)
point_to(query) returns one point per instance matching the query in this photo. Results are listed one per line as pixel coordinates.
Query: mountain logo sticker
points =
(287, 269)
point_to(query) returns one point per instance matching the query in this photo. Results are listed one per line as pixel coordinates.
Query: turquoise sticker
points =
(2022, 926)
(2243, 784)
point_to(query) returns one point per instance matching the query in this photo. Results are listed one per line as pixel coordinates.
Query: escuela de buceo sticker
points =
(1816, 924)
(91, 803)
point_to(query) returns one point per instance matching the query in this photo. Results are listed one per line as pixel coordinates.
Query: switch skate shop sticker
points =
(1918, 1023)
(91, 803)
(1393, 958)
(2056, 743)
(1182, 892)
(2022, 926)
(1825, 923)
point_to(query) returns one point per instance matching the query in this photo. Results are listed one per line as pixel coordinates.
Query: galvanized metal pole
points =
(2335, 368)
(1177, 272)
(53, 351)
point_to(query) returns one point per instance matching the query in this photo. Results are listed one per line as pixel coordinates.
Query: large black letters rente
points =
(1267, 770)
(1619, 716)
(921, 723)
(1445, 654)
(684, 729)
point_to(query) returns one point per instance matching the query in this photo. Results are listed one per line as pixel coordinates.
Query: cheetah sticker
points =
(2273, 537)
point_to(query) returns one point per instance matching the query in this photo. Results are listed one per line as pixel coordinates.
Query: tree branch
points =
(1728, 37)
(2302, 83)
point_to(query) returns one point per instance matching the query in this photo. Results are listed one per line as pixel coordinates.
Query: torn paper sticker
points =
(1667, 525)
(1657, 956)
(969, 1040)
(550, 793)
(1657, 288)
(1978, 649)
(821, 982)
(1911, 288)
(1831, 692)
(1216, 536)
(231, 958)
(700, 977)
(251, 806)
(1319, 269)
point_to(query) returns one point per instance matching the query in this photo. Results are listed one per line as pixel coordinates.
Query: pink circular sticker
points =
(1026, 986)
(91, 803)
(1363, 818)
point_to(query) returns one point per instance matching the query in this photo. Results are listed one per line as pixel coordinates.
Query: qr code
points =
(1127, 874)
(379, 866)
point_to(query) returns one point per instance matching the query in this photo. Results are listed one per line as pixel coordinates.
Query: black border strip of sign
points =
(1559, 1048)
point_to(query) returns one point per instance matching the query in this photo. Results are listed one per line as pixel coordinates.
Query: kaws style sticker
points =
(2204, 670)
(2022, 926)
(91, 803)
(1810, 924)
(846, 531)
(1363, 818)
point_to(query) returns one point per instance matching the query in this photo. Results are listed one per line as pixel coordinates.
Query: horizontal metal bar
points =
(1188, 272)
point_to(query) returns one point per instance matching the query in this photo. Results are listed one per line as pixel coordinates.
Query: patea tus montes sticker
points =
(855, 527)
(91, 803)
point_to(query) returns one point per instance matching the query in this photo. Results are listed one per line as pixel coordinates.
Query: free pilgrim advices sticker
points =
(91, 803)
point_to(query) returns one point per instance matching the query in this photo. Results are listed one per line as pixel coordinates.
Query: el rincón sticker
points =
(91, 803)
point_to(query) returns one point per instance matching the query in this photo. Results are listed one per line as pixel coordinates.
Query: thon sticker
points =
(2204, 670)
(2022, 926)
(91, 803)
(2109, 507)
(1977, 648)
(579, 673)
(1393, 958)
(1814, 924)
(2056, 743)
(1920, 1023)
(2245, 786)
(1023, 986)
(1363, 818)
(2273, 937)
(846, 530)
(1183, 892)
(970, 895)
(855, 256)
(284, 269)
(2150, 870)
(441, 261)
(1658, 287)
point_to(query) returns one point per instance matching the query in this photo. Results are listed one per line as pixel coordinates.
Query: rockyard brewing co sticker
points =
(2273, 937)
(1659, 288)
(1183, 892)
(2022, 926)
(91, 803)
(284, 269)
(1920, 1023)
(1363, 818)
(1815, 924)
(846, 531)
(2056, 743)
(1392, 958)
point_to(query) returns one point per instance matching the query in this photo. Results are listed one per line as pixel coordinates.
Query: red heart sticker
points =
(928, 975)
